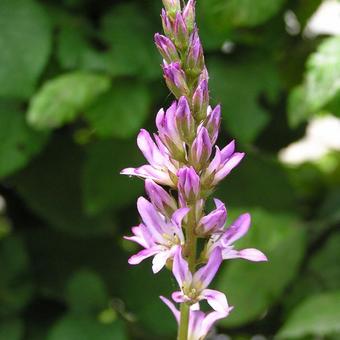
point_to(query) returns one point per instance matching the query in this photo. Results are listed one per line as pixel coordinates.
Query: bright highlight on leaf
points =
(62, 99)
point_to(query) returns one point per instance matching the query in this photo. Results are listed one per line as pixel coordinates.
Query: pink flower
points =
(214, 221)
(159, 236)
(160, 167)
(223, 162)
(194, 287)
(225, 241)
(199, 322)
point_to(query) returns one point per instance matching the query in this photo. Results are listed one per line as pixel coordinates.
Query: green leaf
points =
(127, 30)
(322, 264)
(323, 75)
(18, 142)
(86, 293)
(103, 186)
(318, 315)
(298, 108)
(121, 111)
(60, 100)
(25, 42)
(320, 91)
(75, 328)
(253, 287)
(236, 85)
(225, 14)
(51, 188)
(11, 329)
(15, 285)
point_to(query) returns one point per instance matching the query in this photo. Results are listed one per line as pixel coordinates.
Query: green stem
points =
(191, 249)
(184, 322)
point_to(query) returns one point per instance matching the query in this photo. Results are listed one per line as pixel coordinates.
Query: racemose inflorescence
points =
(184, 167)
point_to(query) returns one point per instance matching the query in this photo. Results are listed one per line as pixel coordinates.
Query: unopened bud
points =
(181, 34)
(165, 203)
(201, 149)
(185, 121)
(214, 221)
(188, 185)
(200, 101)
(166, 23)
(166, 48)
(213, 122)
(195, 58)
(172, 7)
(175, 79)
(189, 15)
(204, 75)
(168, 132)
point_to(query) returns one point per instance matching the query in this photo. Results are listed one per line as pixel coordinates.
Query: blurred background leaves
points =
(78, 79)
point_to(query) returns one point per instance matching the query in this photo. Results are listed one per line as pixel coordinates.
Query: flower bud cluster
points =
(184, 166)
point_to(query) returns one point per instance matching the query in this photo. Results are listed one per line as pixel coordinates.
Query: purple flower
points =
(184, 120)
(189, 14)
(188, 185)
(160, 169)
(225, 241)
(199, 322)
(172, 6)
(213, 122)
(214, 221)
(175, 79)
(166, 48)
(160, 198)
(223, 162)
(181, 34)
(194, 287)
(201, 149)
(195, 58)
(175, 124)
(200, 100)
(166, 23)
(159, 236)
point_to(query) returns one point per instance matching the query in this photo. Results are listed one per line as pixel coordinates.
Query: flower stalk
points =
(182, 158)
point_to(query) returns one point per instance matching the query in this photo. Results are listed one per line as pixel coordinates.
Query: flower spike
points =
(183, 167)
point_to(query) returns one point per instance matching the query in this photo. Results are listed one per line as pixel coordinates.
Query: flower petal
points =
(159, 261)
(227, 151)
(149, 148)
(159, 197)
(215, 220)
(230, 164)
(217, 300)
(178, 296)
(209, 321)
(142, 255)
(141, 236)
(204, 275)
(249, 254)
(178, 215)
(216, 161)
(196, 318)
(237, 229)
(148, 171)
(180, 268)
(151, 218)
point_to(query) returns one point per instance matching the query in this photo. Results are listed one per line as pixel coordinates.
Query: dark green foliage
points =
(78, 79)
